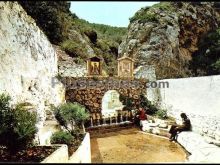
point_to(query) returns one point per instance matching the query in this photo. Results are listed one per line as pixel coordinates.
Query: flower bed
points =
(31, 154)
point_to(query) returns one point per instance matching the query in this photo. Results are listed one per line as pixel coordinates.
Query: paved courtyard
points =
(133, 146)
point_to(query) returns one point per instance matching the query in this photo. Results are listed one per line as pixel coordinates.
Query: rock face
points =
(169, 40)
(28, 61)
(67, 66)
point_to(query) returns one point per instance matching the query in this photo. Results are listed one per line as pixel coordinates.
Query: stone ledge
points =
(58, 156)
(199, 149)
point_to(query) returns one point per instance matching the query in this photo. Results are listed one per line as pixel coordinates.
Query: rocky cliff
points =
(166, 35)
(28, 61)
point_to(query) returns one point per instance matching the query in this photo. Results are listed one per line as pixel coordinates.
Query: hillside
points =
(173, 37)
(77, 37)
(179, 39)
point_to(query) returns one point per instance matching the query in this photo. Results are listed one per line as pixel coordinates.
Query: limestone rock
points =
(147, 128)
(168, 43)
(28, 61)
(156, 131)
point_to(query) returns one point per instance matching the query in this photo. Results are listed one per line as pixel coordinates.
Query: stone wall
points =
(198, 97)
(90, 91)
(28, 61)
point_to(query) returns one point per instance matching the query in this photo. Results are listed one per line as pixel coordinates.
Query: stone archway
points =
(90, 91)
(111, 103)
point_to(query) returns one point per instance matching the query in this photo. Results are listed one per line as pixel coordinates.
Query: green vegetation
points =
(104, 32)
(149, 107)
(62, 137)
(147, 13)
(167, 6)
(206, 61)
(162, 114)
(73, 48)
(71, 116)
(52, 17)
(144, 17)
(128, 102)
(61, 27)
(17, 125)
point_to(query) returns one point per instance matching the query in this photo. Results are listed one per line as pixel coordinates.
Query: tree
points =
(71, 115)
(51, 16)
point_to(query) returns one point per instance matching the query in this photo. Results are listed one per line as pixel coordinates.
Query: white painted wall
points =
(198, 97)
(83, 153)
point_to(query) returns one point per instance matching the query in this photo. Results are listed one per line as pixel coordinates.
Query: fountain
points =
(121, 118)
(111, 104)
(104, 122)
(91, 121)
(116, 122)
(98, 120)
(110, 119)
(126, 117)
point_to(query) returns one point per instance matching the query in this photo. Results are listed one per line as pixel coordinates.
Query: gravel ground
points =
(134, 146)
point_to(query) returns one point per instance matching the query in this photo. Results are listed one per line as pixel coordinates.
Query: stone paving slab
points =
(200, 150)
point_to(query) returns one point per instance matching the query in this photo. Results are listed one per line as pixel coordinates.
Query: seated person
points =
(140, 116)
(186, 126)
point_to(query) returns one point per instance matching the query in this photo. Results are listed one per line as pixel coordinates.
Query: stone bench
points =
(158, 128)
(200, 150)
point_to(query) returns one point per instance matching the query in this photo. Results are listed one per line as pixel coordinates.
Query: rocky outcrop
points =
(166, 35)
(28, 61)
(67, 67)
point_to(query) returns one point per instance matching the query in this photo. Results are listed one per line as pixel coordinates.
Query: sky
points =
(108, 13)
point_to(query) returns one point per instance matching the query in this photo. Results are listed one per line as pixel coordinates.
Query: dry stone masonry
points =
(90, 91)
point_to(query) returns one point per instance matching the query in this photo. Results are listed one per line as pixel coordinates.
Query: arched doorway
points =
(111, 104)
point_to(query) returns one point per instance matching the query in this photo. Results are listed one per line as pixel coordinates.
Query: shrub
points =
(127, 101)
(74, 49)
(205, 61)
(216, 66)
(148, 106)
(61, 137)
(72, 114)
(162, 114)
(164, 6)
(144, 17)
(146, 14)
(17, 125)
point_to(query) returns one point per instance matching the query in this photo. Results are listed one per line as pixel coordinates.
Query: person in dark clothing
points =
(140, 116)
(186, 126)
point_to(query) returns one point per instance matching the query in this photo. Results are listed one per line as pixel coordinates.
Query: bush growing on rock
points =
(17, 125)
(144, 17)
